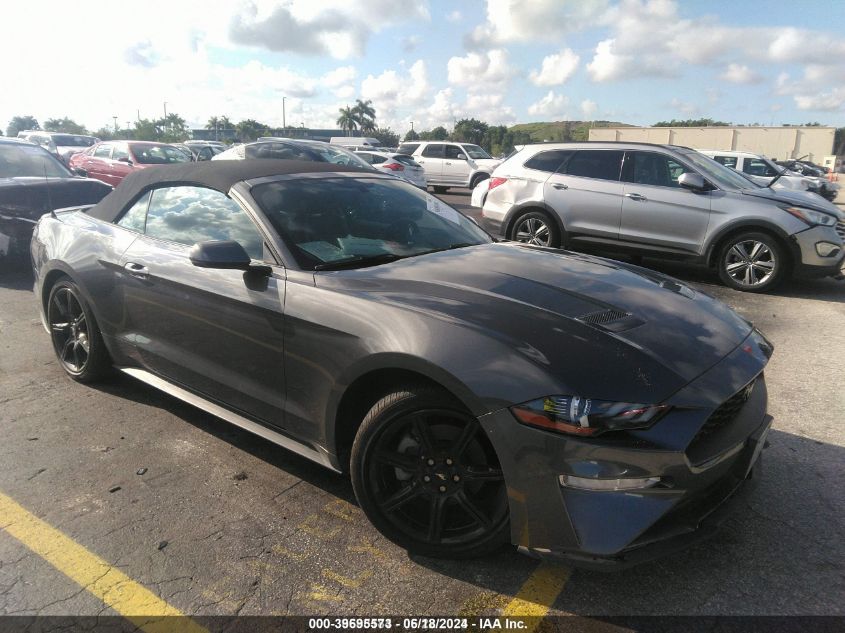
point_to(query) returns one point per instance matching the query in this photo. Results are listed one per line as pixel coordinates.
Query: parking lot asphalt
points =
(208, 519)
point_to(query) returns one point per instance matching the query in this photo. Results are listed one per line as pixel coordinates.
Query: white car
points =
(450, 164)
(294, 149)
(399, 165)
(61, 145)
(761, 170)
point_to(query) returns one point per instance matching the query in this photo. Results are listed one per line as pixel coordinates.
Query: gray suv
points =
(662, 201)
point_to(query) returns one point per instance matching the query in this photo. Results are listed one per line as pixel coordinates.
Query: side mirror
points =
(220, 254)
(692, 181)
(461, 157)
(125, 159)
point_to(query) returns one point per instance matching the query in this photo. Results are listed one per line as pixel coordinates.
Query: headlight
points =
(586, 417)
(813, 218)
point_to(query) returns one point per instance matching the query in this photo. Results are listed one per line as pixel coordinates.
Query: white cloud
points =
(556, 69)
(589, 108)
(454, 16)
(685, 107)
(551, 106)
(488, 107)
(391, 91)
(740, 74)
(338, 76)
(478, 69)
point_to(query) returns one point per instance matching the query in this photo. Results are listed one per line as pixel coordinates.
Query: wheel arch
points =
(718, 240)
(378, 376)
(527, 207)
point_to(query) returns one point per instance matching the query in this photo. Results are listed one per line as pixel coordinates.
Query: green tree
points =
(346, 120)
(145, 130)
(172, 129)
(105, 133)
(365, 115)
(439, 133)
(20, 123)
(469, 131)
(411, 136)
(250, 129)
(691, 123)
(66, 125)
(386, 136)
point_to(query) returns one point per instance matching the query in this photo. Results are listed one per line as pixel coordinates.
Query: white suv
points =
(762, 170)
(451, 164)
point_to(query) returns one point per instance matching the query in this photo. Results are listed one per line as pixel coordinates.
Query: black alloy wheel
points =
(535, 228)
(428, 478)
(76, 338)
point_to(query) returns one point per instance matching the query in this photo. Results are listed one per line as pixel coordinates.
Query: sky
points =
(430, 62)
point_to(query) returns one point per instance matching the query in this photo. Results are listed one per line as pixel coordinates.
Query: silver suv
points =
(450, 164)
(662, 201)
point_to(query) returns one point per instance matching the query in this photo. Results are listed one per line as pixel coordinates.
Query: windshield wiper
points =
(357, 261)
(775, 179)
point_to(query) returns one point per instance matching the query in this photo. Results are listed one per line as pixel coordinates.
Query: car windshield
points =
(723, 177)
(22, 161)
(475, 151)
(72, 140)
(354, 222)
(158, 154)
(338, 156)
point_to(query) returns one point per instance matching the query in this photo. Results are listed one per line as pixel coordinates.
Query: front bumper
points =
(612, 529)
(813, 265)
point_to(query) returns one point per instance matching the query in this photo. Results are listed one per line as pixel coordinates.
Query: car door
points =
(96, 165)
(431, 159)
(121, 164)
(216, 332)
(656, 210)
(586, 193)
(456, 168)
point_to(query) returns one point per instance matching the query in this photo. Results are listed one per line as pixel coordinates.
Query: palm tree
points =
(365, 115)
(213, 123)
(347, 120)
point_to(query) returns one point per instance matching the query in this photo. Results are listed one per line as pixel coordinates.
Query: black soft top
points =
(215, 174)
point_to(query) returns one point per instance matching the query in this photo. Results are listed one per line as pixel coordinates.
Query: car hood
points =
(490, 163)
(802, 198)
(30, 198)
(639, 332)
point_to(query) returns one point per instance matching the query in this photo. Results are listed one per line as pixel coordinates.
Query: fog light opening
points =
(826, 249)
(587, 483)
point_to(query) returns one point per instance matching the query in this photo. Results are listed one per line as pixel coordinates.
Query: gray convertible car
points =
(477, 391)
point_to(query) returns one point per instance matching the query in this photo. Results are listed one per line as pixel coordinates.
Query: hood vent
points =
(612, 320)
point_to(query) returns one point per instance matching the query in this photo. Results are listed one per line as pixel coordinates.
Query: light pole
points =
(284, 122)
(115, 125)
(165, 110)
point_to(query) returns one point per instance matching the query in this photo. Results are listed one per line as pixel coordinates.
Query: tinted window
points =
(378, 160)
(136, 216)
(103, 151)
(727, 161)
(120, 151)
(188, 215)
(758, 167)
(278, 150)
(408, 148)
(603, 164)
(72, 140)
(434, 150)
(548, 161)
(18, 161)
(333, 219)
(474, 151)
(453, 151)
(158, 154)
(650, 168)
(405, 160)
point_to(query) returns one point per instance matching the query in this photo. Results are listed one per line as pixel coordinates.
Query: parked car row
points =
(62, 145)
(662, 201)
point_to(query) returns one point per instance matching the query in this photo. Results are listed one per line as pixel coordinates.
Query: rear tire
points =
(76, 338)
(477, 179)
(427, 477)
(535, 227)
(752, 262)
(439, 189)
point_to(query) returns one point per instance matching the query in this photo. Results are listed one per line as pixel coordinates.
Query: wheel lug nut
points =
(456, 478)
(448, 461)
(442, 488)
(426, 479)
(430, 462)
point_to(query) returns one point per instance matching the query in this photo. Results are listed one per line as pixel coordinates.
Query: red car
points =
(111, 161)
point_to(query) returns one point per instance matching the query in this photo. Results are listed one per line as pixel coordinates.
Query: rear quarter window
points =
(548, 161)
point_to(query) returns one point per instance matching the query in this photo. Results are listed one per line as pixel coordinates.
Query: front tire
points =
(752, 262)
(427, 477)
(76, 337)
(537, 228)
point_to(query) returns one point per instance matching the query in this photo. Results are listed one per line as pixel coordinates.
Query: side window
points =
(651, 168)
(548, 161)
(136, 216)
(727, 161)
(596, 163)
(408, 148)
(103, 151)
(376, 159)
(366, 156)
(758, 167)
(120, 151)
(188, 215)
(453, 151)
(435, 150)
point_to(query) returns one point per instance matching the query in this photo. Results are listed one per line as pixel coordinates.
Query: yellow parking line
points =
(130, 599)
(538, 594)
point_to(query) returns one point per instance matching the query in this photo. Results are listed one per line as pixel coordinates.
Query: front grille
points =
(725, 414)
(603, 316)
(840, 229)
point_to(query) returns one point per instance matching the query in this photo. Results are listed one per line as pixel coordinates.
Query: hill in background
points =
(562, 130)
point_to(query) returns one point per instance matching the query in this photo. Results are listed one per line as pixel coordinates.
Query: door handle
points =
(636, 196)
(448, 163)
(560, 185)
(136, 270)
